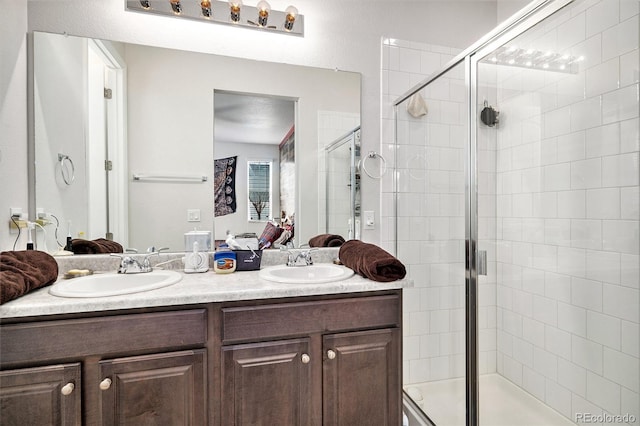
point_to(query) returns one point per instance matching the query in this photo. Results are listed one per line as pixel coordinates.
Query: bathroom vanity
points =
(218, 350)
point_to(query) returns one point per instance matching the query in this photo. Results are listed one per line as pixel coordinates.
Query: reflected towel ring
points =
(383, 166)
(62, 158)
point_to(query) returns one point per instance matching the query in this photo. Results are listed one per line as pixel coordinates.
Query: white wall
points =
(506, 8)
(339, 34)
(13, 115)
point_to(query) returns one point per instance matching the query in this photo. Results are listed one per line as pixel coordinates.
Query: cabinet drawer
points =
(63, 339)
(302, 318)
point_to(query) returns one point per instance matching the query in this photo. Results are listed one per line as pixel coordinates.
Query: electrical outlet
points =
(16, 220)
(18, 224)
(369, 220)
(193, 215)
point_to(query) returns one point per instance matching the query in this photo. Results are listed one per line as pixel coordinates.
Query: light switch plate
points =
(193, 215)
(369, 221)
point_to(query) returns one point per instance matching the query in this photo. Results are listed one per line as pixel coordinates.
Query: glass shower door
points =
(430, 160)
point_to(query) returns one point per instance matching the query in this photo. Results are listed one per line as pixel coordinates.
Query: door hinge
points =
(482, 262)
(107, 93)
(108, 165)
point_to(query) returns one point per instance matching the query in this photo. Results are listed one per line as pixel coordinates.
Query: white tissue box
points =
(248, 243)
(203, 238)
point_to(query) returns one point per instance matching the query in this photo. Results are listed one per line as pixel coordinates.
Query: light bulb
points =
(263, 12)
(234, 8)
(205, 5)
(290, 19)
(176, 6)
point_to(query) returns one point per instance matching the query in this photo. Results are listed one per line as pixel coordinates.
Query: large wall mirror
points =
(124, 138)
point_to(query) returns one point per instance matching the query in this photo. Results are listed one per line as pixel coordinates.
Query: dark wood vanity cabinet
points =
(333, 362)
(325, 360)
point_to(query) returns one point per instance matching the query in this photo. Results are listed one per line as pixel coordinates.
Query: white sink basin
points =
(312, 274)
(102, 285)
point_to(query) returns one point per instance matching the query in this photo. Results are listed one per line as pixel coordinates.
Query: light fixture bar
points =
(260, 17)
(534, 59)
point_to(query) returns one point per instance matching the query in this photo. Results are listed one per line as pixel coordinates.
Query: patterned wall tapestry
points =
(224, 186)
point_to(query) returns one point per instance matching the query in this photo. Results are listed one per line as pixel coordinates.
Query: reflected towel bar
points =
(166, 178)
(71, 175)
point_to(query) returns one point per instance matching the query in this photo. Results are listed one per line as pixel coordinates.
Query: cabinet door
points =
(41, 396)
(158, 389)
(267, 383)
(362, 378)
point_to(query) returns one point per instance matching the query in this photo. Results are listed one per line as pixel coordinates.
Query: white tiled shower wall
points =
(567, 214)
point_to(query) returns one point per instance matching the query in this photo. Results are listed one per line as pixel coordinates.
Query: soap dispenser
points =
(195, 261)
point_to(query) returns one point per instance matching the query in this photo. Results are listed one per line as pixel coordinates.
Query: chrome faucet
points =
(294, 256)
(129, 265)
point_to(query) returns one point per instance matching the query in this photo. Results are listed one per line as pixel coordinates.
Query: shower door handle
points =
(482, 262)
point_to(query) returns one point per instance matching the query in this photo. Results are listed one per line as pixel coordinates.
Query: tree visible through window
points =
(259, 185)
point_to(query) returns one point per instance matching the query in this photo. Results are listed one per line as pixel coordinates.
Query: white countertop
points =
(193, 288)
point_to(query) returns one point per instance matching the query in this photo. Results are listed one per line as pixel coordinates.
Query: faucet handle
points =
(153, 249)
(307, 257)
(145, 261)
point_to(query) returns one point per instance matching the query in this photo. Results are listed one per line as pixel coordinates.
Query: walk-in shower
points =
(547, 193)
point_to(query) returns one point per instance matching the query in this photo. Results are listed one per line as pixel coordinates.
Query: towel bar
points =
(168, 178)
(383, 165)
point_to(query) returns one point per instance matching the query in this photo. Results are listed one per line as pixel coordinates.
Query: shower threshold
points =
(501, 404)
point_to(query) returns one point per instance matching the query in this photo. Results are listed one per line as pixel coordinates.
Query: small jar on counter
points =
(224, 260)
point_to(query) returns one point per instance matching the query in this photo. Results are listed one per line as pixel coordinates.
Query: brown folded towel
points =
(371, 261)
(98, 246)
(326, 240)
(23, 271)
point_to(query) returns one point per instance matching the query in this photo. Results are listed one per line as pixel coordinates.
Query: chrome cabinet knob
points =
(105, 384)
(305, 358)
(331, 354)
(67, 389)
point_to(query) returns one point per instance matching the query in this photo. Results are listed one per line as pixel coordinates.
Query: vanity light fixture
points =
(260, 17)
(176, 6)
(205, 5)
(234, 10)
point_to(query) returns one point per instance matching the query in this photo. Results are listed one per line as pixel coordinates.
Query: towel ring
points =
(62, 158)
(383, 166)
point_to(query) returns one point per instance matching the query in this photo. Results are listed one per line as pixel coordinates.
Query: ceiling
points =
(241, 118)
